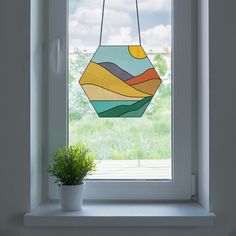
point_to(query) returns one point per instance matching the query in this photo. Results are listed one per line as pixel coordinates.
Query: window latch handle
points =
(55, 55)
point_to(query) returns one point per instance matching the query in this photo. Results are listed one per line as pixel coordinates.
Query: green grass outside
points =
(148, 137)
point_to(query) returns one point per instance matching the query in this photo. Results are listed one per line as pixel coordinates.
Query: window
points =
(137, 148)
(72, 119)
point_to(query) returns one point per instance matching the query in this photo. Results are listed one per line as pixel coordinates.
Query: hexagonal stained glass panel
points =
(120, 81)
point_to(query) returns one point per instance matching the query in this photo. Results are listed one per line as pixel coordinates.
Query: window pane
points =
(126, 148)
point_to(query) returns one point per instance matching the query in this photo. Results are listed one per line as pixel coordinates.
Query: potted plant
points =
(71, 165)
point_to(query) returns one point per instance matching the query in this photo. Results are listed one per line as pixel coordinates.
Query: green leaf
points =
(72, 164)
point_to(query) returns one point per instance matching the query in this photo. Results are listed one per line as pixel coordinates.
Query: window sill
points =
(121, 214)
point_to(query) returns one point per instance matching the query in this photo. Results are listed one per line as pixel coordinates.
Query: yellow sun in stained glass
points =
(137, 52)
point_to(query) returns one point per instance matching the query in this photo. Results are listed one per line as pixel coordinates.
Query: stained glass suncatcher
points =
(120, 81)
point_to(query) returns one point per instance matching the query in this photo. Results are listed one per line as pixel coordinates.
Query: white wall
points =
(223, 114)
(15, 129)
(14, 113)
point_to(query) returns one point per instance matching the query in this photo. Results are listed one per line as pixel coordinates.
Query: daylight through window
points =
(125, 148)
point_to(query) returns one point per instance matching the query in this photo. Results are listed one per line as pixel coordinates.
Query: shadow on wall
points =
(6, 233)
(233, 233)
(17, 221)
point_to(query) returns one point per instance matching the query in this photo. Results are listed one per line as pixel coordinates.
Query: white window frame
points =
(183, 125)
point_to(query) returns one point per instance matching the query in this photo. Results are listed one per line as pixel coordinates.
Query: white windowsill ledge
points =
(121, 214)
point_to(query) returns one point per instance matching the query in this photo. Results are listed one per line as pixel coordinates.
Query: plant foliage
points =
(71, 165)
(160, 64)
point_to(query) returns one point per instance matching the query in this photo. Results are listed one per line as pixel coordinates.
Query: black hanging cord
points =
(139, 36)
(103, 8)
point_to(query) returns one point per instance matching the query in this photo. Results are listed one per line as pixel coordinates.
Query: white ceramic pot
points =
(71, 197)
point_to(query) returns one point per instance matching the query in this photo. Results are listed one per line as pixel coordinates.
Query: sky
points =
(120, 23)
